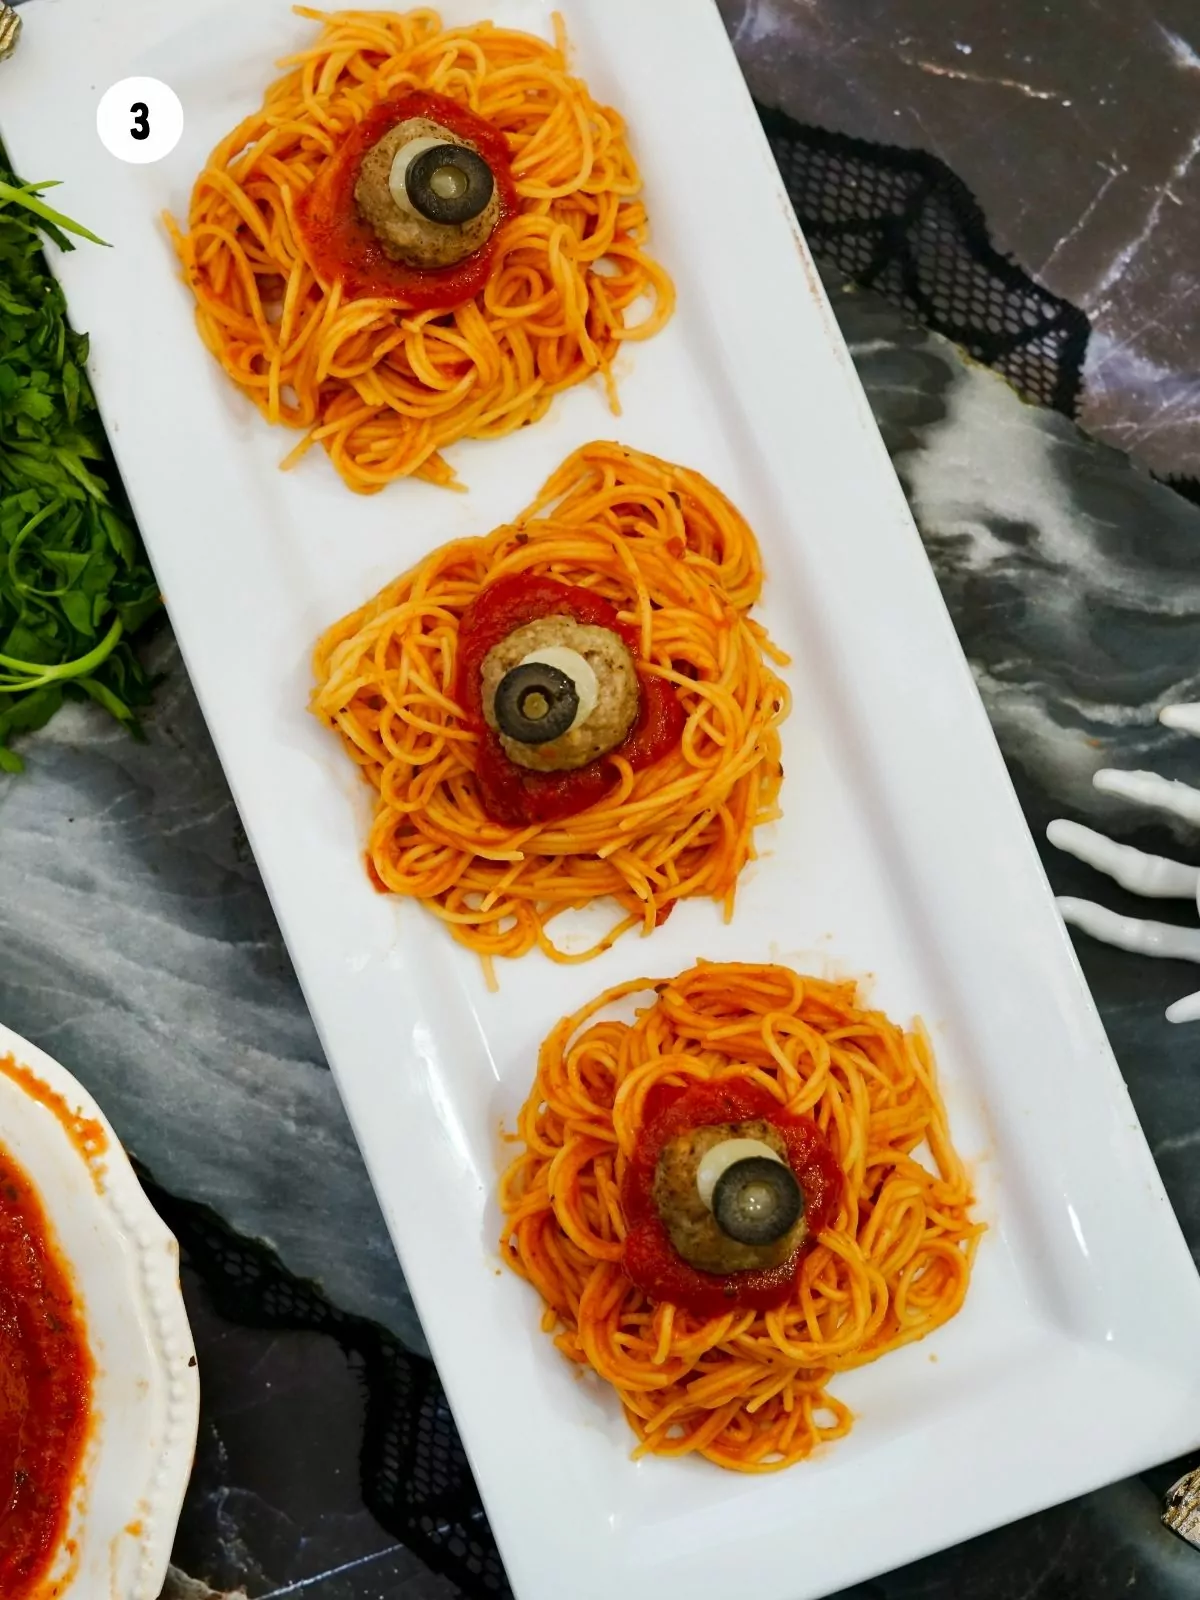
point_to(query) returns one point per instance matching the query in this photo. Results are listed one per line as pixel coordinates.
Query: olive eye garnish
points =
(449, 183)
(535, 703)
(756, 1201)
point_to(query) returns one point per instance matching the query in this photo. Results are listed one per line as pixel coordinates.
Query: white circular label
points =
(139, 120)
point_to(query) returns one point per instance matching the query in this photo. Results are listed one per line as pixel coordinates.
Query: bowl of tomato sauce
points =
(99, 1392)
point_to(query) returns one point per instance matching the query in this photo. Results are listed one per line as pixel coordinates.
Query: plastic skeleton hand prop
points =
(1153, 876)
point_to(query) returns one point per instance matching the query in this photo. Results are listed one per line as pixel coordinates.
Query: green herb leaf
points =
(26, 195)
(74, 580)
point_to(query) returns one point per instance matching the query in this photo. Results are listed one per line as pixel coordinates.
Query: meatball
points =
(595, 731)
(406, 235)
(691, 1225)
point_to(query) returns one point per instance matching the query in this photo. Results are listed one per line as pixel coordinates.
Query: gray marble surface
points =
(141, 951)
(1077, 125)
(1074, 583)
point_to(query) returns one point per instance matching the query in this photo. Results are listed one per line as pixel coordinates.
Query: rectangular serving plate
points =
(902, 853)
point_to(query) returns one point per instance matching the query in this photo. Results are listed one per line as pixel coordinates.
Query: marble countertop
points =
(142, 951)
(1076, 124)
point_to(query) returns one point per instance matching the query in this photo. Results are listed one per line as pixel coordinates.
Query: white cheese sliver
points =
(717, 1161)
(401, 161)
(576, 668)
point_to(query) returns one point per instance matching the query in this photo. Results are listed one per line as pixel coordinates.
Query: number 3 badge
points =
(139, 120)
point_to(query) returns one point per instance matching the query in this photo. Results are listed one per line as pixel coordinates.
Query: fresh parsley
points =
(75, 585)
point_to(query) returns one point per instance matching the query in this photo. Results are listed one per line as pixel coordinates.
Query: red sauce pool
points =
(343, 248)
(651, 1259)
(45, 1386)
(514, 795)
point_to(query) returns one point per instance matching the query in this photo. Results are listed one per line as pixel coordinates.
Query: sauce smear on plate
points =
(45, 1387)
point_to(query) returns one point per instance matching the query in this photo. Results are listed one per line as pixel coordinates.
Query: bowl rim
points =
(128, 1234)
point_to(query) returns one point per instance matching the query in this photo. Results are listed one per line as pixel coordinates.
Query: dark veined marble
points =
(1076, 124)
(141, 952)
(275, 1506)
(1074, 583)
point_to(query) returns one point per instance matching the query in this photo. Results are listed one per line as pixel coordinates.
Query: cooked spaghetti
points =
(381, 389)
(747, 1389)
(681, 567)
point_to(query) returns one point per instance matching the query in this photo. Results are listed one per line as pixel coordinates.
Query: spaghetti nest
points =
(680, 564)
(384, 390)
(746, 1389)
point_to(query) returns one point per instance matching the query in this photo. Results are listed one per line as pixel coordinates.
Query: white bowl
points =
(146, 1395)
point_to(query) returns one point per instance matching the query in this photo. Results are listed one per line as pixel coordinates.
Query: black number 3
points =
(140, 112)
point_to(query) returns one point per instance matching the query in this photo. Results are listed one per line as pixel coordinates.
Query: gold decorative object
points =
(10, 29)
(1181, 1512)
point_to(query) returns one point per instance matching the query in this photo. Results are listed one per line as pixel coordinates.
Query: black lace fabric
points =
(897, 222)
(901, 223)
(415, 1477)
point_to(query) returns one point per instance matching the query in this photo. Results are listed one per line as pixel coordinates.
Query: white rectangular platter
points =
(902, 853)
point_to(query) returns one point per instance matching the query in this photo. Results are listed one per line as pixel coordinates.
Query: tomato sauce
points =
(514, 795)
(342, 247)
(45, 1387)
(650, 1258)
(85, 1133)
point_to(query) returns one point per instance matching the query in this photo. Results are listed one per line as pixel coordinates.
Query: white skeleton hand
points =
(1154, 876)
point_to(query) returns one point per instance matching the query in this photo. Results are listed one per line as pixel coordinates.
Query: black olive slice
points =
(757, 1200)
(535, 703)
(449, 183)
